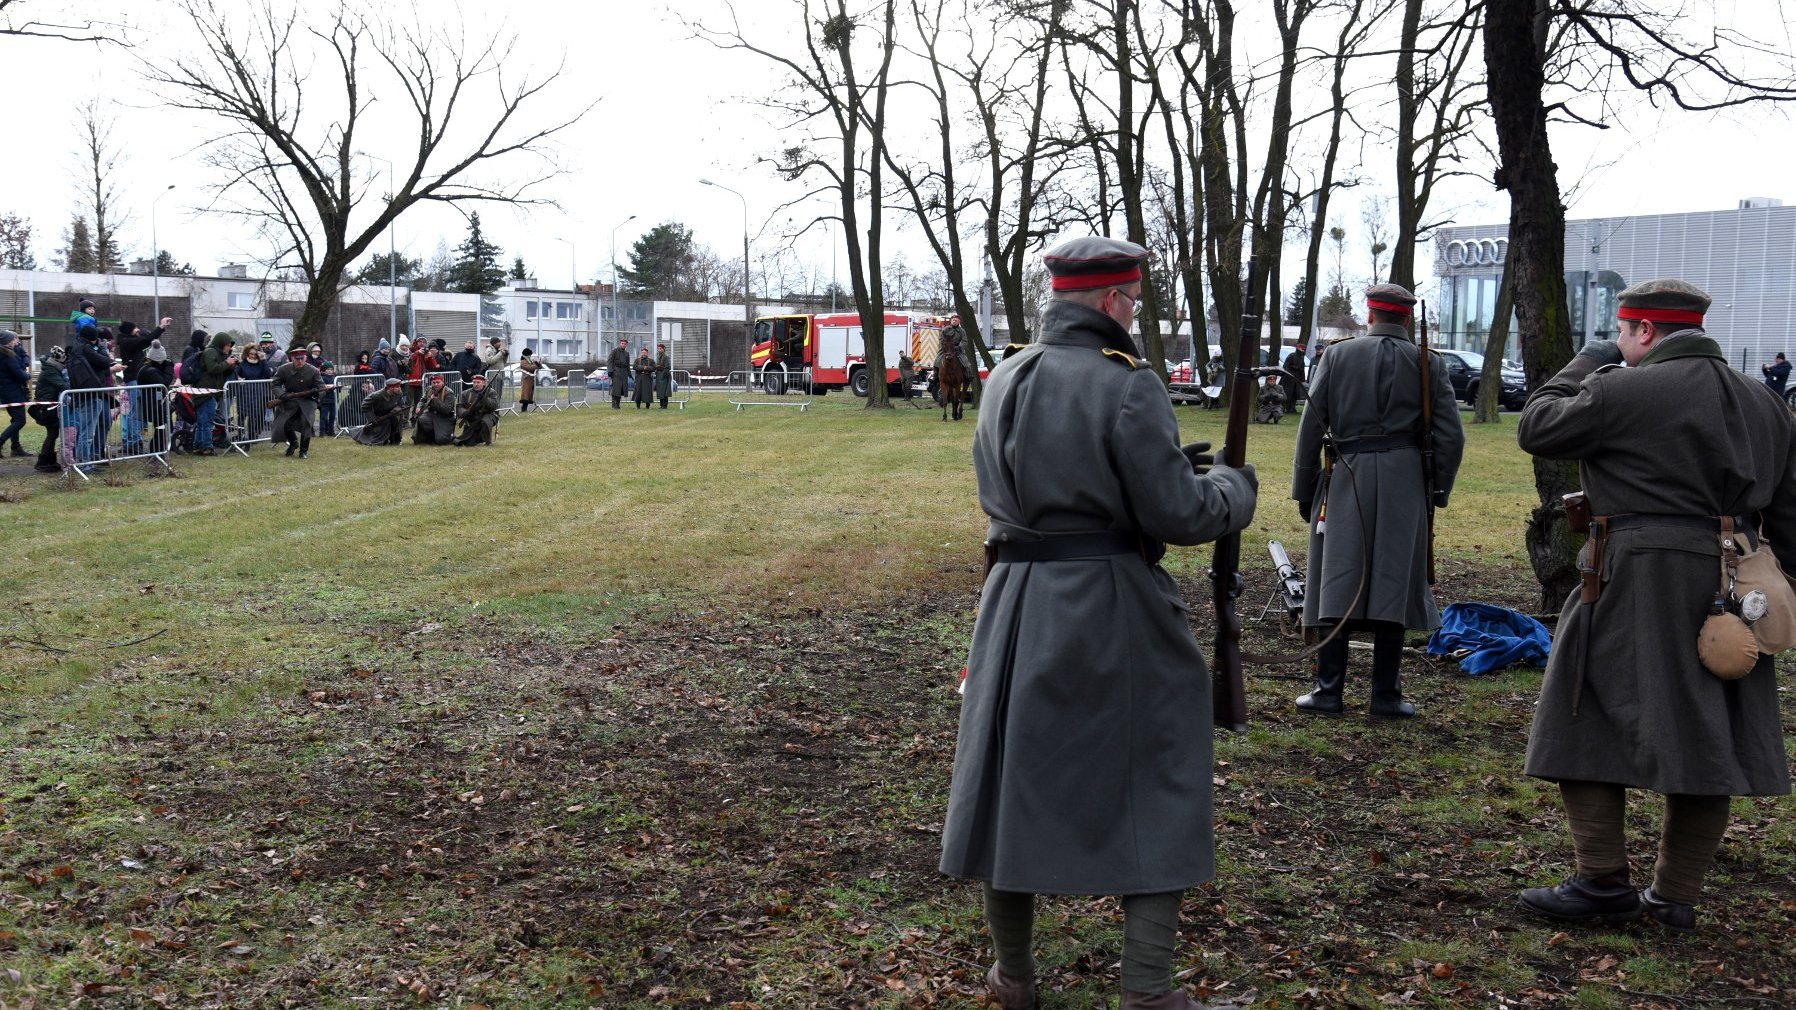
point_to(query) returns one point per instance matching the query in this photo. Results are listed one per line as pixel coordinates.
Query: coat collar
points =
(1684, 344)
(1398, 330)
(1072, 324)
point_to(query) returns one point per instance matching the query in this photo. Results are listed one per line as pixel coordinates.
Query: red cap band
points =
(1402, 310)
(1660, 315)
(1085, 282)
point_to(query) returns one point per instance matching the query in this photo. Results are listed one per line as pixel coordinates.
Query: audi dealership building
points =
(1744, 258)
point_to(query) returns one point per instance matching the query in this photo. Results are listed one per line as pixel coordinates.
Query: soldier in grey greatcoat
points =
(435, 422)
(1664, 448)
(479, 413)
(383, 415)
(1084, 758)
(1367, 504)
(296, 387)
(617, 366)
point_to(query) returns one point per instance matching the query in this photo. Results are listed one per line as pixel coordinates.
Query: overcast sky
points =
(671, 110)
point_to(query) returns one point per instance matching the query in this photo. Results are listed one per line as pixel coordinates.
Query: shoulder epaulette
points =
(1609, 368)
(1127, 359)
(1010, 349)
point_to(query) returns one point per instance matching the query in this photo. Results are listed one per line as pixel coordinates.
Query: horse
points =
(952, 380)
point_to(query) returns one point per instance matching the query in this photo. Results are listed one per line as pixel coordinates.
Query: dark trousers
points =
(11, 434)
(46, 456)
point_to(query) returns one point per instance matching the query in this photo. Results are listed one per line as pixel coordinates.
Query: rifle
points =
(1229, 691)
(1426, 437)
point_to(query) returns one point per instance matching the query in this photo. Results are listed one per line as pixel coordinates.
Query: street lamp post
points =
(617, 321)
(573, 282)
(748, 312)
(156, 259)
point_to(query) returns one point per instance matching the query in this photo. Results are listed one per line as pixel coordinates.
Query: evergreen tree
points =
(662, 265)
(1337, 308)
(477, 270)
(15, 243)
(518, 271)
(167, 267)
(77, 253)
(1294, 303)
(376, 270)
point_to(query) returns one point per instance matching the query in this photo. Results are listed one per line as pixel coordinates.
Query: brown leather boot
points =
(1012, 993)
(1172, 1000)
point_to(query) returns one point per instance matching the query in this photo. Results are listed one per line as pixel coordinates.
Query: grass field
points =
(641, 709)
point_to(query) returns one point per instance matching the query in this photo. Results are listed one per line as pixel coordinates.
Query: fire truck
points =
(831, 347)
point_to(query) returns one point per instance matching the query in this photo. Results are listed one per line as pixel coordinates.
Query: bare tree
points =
(97, 160)
(1592, 46)
(57, 20)
(1439, 102)
(827, 89)
(1372, 218)
(299, 172)
(1357, 24)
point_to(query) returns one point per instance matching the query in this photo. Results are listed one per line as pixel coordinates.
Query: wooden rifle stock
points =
(1228, 687)
(1425, 438)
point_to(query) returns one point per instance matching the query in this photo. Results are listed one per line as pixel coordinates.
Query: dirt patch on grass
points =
(729, 809)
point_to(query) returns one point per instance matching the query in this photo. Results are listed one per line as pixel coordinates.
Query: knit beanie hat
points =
(404, 344)
(156, 352)
(383, 345)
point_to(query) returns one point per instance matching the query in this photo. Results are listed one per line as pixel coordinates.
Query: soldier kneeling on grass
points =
(479, 412)
(435, 423)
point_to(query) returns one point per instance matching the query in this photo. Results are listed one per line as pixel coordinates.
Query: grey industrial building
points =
(1745, 258)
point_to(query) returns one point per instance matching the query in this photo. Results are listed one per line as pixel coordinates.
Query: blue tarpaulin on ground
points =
(1496, 637)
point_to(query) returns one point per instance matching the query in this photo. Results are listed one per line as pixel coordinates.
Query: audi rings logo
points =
(1479, 252)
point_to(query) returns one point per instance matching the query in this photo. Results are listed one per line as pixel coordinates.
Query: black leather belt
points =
(1069, 546)
(1709, 524)
(1375, 443)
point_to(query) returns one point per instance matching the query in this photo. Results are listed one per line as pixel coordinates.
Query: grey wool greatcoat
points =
(436, 418)
(298, 386)
(1680, 434)
(1376, 502)
(1084, 759)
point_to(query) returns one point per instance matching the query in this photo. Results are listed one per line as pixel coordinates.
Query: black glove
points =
(1245, 470)
(1200, 456)
(1303, 509)
(1604, 352)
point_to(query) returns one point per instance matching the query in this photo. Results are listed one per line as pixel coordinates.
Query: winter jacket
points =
(468, 363)
(249, 370)
(14, 375)
(154, 373)
(131, 347)
(90, 367)
(215, 367)
(52, 381)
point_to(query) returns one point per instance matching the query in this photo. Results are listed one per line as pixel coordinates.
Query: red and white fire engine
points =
(832, 348)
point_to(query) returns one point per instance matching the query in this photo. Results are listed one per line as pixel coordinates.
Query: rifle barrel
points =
(1228, 688)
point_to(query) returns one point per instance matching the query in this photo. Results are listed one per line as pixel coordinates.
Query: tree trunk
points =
(1312, 263)
(1490, 381)
(1409, 214)
(1513, 54)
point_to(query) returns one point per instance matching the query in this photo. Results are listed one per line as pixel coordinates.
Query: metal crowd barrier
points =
(758, 389)
(682, 388)
(350, 391)
(246, 414)
(508, 393)
(576, 389)
(547, 390)
(112, 425)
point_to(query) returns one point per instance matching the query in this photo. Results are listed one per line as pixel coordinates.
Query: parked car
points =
(1465, 369)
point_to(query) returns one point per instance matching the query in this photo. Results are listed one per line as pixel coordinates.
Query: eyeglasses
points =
(1134, 300)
